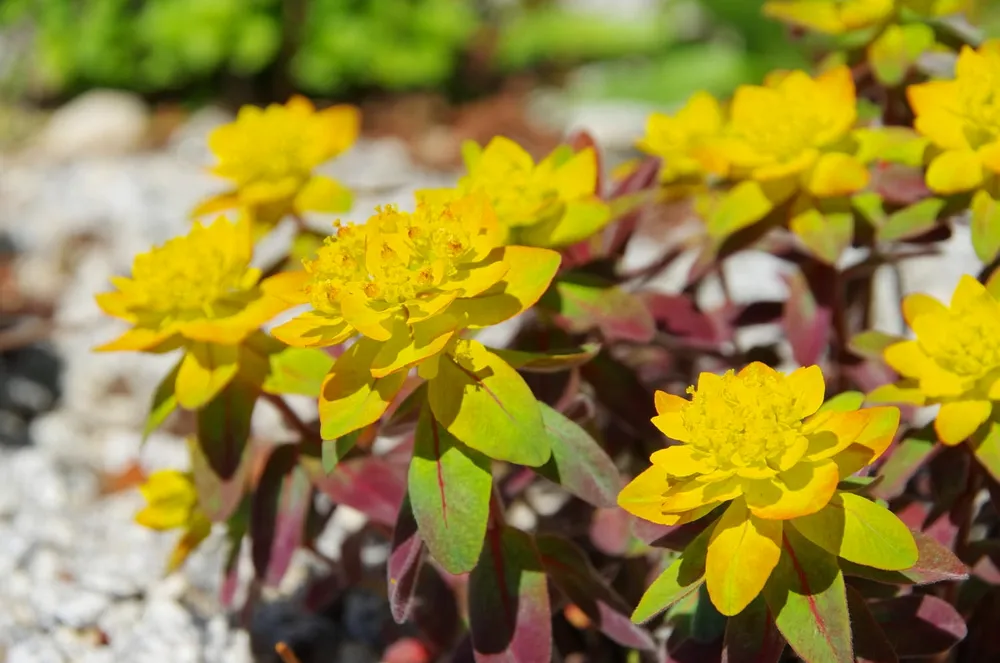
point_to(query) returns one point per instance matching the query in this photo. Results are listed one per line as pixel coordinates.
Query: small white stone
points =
(96, 122)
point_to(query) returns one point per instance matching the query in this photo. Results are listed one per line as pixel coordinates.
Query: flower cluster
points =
(172, 503)
(197, 292)
(408, 283)
(763, 445)
(839, 16)
(270, 156)
(961, 117)
(550, 204)
(954, 360)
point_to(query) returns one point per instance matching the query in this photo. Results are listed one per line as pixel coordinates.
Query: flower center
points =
(966, 342)
(741, 421)
(393, 258)
(516, 193)
(784, 128)
(186, 278)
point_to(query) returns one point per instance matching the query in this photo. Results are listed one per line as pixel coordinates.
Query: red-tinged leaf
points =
(642, 178)
(578, 462)
(406, 558)
(509, 613)
(935, 563)
(278, 513)
(806, 324)
(583, 302)
(164, 403)
(898, 184)
(806, 595)
(683, 577)
(571, 571)
(672, 537)
(548, 362)
(681, 317)
(450, 488)
(224, 425)
(752, 636)
(870, 643)
(610, 531)
(371, 484)
(903, 461)
(236, 529)
(217, 498)
(911, 221)
(919, 625)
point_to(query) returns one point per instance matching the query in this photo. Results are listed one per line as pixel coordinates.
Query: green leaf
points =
(847, 401)
(743, 205)
(548, 362)
(752, 637)
(911, 221)
(488, 406)
(297, 371)
(869, 205)
(935, 563)
(584, 302)
(985, 226)
(224, 425)
(350, 397)
(578, 462)
(164, 403)
(897, 49)
(900, 145)
(333, 451)
(904, 461)
(807, 596)
(872, 344)
(681, 578)
(580, 220)
(825, 235)
(450, 489)
(860, 531)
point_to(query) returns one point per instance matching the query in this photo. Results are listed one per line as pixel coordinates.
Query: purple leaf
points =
(752, 636)
(278, 512)
(572, 572)
(578, 462)
(806, 324)
(406, 558)
(903, 461)
(870, 643)
(583, 302)
(919, 625)
(509, 613)
(371, 484)
(609, 531)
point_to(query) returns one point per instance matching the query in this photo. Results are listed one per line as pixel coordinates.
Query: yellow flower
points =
(269, 154)
(553, 203)
(793, 128)
(408, 283)
(172, 503)
(197, 291)
(759, 440)
(962, 118)
(954, 361)
(681, 139)
(830, 16)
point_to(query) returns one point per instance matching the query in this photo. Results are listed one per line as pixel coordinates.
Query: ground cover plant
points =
(830, 495)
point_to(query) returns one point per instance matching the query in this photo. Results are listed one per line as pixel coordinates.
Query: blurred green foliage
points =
(329, 47)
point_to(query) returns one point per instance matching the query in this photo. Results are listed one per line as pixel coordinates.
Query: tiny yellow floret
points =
(270, 154)
(961, 117)
(552, 203)
(954, 360)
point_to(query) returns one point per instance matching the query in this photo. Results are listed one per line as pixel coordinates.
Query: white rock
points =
(96, 122)
(38, 649)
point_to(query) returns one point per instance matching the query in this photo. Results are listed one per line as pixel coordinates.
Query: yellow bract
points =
(172, 503)
(954, 361)
(199, 288)
(961, 117)
(269, 154)
(681, 140)
(552, 203)
(760, 440)
(790, 127)
(839, 16)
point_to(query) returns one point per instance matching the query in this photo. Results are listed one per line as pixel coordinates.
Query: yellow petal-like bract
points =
(961, 117)
(269, 154)
(172, 503)
(682, 139)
